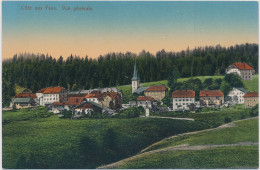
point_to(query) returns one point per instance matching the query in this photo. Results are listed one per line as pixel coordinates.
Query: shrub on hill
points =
(130, 112)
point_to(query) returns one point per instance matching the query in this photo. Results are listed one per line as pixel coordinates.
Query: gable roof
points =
(26, 95)
(22, 100)
(145, 98)
(183, 93)
(74, 101)
(98, 96)
(41, 91)
(243, 66)
(241, 89)
(85, 106)
(111, 94)
(251, 94)
(53, 89)
(212, 93)
(156, 88)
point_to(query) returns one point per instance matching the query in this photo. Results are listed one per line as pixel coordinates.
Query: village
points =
(109, 101)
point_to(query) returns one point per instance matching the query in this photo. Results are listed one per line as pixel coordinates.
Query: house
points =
(135, 80)
(242, 69)
(72, 102)
(156, 92)
(146, 102)
(251, 99)
(182, 99)
(112, 100)
(21, 103)
(237, 95)
(95, 96)
(86, 108)
(50, 95)
(213, 98)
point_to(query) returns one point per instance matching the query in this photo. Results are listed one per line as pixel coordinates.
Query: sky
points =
(124, 26)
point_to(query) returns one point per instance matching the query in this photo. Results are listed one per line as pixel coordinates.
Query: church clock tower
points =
(135, 80)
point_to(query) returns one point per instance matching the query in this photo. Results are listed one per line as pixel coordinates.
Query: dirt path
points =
(181, 147)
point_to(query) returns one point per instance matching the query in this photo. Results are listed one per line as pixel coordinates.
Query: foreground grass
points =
(244, 131)
(222, 157)
(55, 143)
(228, 157)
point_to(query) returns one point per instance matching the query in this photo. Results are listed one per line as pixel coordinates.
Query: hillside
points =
(234, 145)
(36, 139)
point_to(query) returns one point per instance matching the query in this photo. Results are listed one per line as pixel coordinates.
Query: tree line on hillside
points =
(38, 71)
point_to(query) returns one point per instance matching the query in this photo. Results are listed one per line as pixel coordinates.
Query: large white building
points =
(50, 95)
(182, 99)
(237, 95)
(242, 69)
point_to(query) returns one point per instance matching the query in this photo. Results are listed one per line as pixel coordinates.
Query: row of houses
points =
(58, 99)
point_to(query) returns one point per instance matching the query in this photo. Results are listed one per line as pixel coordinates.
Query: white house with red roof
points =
(211, 98)
(242, 69)
(50, 95)
(95, 96)
(146, 102)
(182, 99)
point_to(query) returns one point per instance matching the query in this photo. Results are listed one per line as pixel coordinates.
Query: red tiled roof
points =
(183, 93)
(58, 104)
(53, 90)
(85, 106)
(144, 98)
(111, 94)
(213, 93)
(42, 90)
(95, 92)
(74, 101)
(251, 94)
(156, 88)
(98, 96)
(243, 66)
(25, 95)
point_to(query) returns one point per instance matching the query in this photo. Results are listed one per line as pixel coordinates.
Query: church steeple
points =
(135, 76)
(135, 80)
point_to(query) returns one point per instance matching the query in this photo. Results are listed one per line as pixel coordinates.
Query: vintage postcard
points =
(130, 84)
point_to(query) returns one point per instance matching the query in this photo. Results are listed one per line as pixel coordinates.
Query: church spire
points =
(135, 76)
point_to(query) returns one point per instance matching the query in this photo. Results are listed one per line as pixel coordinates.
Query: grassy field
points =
(52, 142)
(222, 157)
(252, 85)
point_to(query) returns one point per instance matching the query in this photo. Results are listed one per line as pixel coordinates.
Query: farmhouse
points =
(214, 98)
(95, 96)
(156, 92)
(50, 95)
(251, 99)
(112, 100)
(20, 103)
(146, 102)
(237, 95)
(242, 69)
(86, 108)
(182, 99)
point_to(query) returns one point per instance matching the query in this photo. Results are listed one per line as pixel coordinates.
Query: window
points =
(187, 99)
(176, 104)
(183, 104)
(176, 100)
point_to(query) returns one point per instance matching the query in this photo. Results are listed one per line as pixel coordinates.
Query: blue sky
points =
(125, 26)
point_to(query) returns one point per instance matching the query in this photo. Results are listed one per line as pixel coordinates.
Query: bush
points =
(66, 114)
(131, 112)
(254, 111)
(227, 119)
